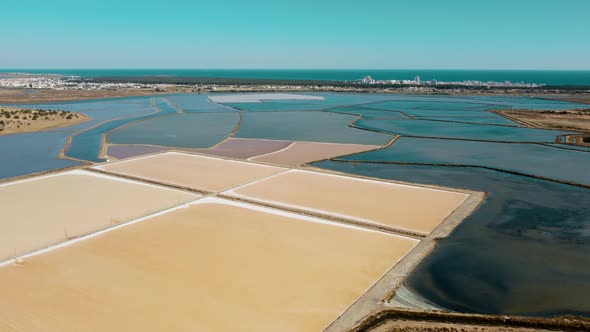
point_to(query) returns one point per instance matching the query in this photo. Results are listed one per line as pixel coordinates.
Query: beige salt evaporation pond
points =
(259, 248)
(214, 265)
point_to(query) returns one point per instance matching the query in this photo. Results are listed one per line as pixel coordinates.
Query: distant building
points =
(368, 80)
(417, 79)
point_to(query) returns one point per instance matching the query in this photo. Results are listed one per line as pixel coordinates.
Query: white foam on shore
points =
(259, 97)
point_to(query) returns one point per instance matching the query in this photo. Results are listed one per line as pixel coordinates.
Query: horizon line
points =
(294, 69)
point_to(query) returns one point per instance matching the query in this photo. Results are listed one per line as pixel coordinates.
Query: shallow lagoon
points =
(179, 130)
(24, 154)
(425, 128)
(496, 120)
(534, 159)
(370, 113)
(306, 126)
(196, 103)
(87, 144)
(525, 251)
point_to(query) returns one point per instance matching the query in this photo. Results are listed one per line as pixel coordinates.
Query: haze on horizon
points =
(327, 34)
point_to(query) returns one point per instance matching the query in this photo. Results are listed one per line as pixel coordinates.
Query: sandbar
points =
(43, 211)
(214, 265)
(399, 206)
(192, 171)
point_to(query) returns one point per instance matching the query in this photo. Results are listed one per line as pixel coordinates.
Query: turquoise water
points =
(276, 106)
(498, 120)
(525, 251)
(306, 126)
(370, 113)
(571, 147)
(430, 105)
(533, 159)
(425, 128)
(552, 77)
(179, 130)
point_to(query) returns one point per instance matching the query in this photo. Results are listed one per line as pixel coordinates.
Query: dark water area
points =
(524, 251)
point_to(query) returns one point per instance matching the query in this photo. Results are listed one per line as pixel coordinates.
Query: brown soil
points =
(27, 96)
(436, 321)
(577, 120)
(15, 120)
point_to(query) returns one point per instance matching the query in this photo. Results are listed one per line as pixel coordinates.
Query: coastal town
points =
(367, 84)
(469, 83)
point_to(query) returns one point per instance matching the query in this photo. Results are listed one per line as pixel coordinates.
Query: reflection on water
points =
(525, 251)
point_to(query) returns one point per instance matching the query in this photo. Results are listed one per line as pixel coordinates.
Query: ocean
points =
(548, 77)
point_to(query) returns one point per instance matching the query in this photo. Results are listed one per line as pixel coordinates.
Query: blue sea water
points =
(550, 77)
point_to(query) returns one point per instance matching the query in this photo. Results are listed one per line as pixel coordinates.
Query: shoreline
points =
(31, 96)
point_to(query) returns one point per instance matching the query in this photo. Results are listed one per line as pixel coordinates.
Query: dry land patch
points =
(16, 120)
(33, 96)
(576, 120)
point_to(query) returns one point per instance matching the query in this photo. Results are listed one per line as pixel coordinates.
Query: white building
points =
(368, 80)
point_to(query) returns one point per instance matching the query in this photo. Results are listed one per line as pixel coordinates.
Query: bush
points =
(586, 139)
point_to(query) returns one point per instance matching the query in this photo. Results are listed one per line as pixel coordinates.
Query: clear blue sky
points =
(470, 34)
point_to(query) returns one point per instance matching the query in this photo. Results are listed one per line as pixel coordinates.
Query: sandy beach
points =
(386, 204)
(43, 211)
(210, 266)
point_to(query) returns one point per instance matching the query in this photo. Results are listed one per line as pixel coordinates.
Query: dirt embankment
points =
(30, 96)
(410, 320)
(569, 120)
(14, 120)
